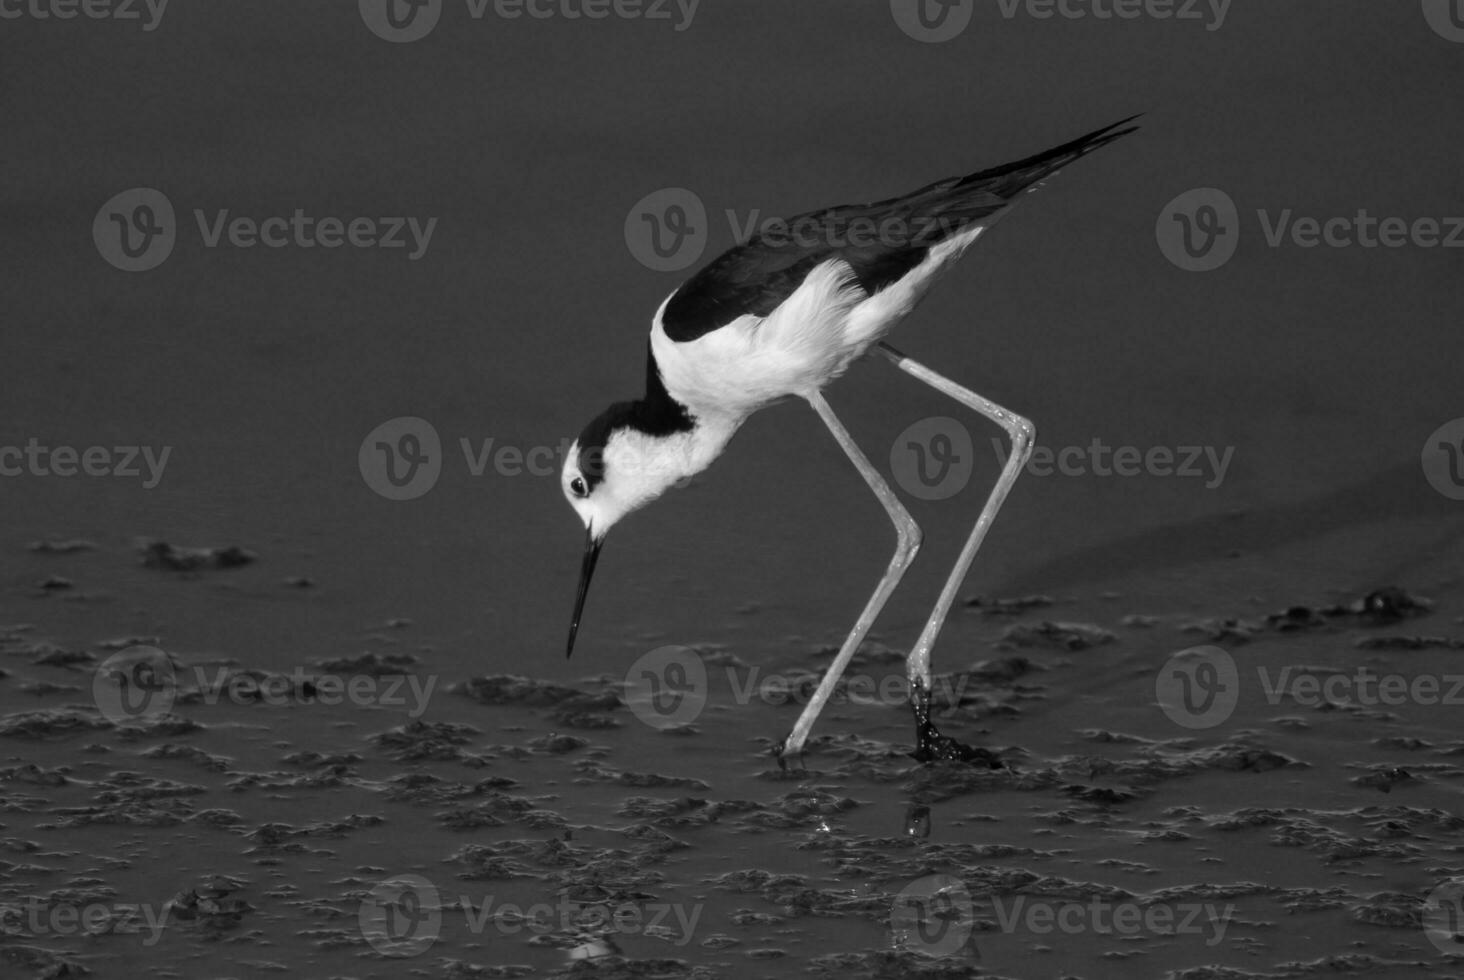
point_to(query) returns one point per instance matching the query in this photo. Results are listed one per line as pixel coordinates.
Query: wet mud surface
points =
(451, 824)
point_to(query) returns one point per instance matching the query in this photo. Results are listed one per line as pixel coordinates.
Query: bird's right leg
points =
(929, 743)
(907, 543)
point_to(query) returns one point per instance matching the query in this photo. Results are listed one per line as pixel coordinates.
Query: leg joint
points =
(908, 538)
(1024, 436)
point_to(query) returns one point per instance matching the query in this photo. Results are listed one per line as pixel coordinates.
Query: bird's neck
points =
(708, 438)
(699, 436)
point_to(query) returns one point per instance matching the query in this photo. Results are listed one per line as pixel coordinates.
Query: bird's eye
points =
(577, 487)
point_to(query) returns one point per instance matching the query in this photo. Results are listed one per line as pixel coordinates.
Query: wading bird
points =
(784, 315)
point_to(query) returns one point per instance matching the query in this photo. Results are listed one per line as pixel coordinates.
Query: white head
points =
(606, 480)
(622, 461)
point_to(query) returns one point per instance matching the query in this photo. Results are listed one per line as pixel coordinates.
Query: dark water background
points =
(1325, 368)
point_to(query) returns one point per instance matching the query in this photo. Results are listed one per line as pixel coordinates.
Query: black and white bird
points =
(784, 315)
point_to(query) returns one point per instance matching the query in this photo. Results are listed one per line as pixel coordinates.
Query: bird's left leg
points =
(907, 543)
(930, 743)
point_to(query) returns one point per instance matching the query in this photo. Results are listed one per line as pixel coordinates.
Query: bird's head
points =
(617, 466)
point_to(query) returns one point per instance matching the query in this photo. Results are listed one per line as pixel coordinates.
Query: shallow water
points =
(1300, 836)
(267, 833)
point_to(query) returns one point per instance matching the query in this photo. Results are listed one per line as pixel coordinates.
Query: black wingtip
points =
(1092, 141)
(1109, 133)
(1009, 179)
(1125, 122)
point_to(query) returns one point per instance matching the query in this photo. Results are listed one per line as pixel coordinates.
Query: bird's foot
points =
(932, 746)
(788, 758)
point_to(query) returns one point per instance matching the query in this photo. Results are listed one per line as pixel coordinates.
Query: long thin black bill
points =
(592, 555)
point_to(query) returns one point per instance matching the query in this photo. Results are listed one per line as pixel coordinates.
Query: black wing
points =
(880, 241)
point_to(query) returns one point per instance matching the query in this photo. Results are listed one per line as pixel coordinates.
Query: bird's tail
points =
(951, 211)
